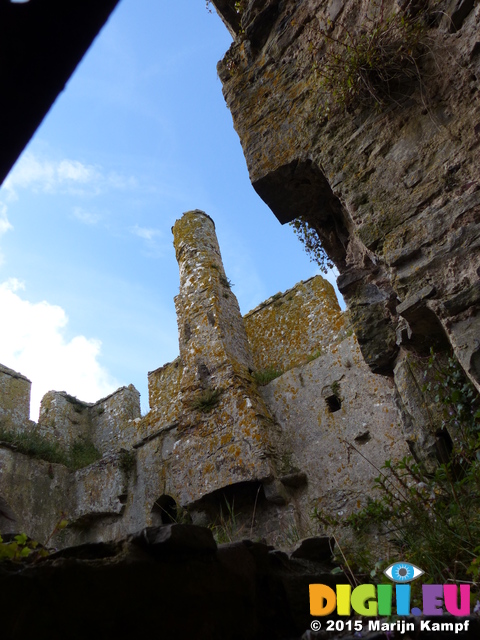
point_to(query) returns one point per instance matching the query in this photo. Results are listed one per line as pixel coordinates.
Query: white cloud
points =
(154, 242)
(62, 176)
(74, 171)
(4, 226)
(87, 217)
(32, 342)
(146, 233)
(117, 181)
(4, 222)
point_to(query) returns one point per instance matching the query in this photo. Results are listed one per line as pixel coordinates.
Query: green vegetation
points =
(127, 460)
(17, 549)
(335, 387)
(240, 6)
(431, 518)
(227, 529)
(182, 516)
(292, 534)
(308, 236)
(286, 465)
(207, 400)
(313, 356)
(32, 444)
(82, 452)
(226, 282)
(22, 547)
(376, 66)
(266, 375)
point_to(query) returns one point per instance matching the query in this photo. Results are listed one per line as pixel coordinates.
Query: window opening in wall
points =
(333, 403)
(444, 445)
(164, 510)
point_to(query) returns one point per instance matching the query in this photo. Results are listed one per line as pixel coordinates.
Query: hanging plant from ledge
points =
(310, 239)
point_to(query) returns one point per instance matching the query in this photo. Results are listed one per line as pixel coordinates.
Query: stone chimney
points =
(225, 427)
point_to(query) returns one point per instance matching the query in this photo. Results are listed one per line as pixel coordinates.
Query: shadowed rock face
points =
(174, 582)
(393, 191)
(169, 582)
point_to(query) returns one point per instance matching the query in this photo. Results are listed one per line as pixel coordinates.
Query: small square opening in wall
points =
(333, 403)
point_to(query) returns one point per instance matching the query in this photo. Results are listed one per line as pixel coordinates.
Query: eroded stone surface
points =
(166, 580)
(392, 192)
(339, 424)
(293, 327)
(15, 395)
(109, 423)
(35, 490)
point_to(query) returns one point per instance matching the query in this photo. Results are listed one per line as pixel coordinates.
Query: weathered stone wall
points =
(63, 419)
(14, 399)
(35, 490)
(164, 393)
(109, 423)
(216, 447)
(115, 420)
(392, 191)
(339, 425)
(41, 493)
(290, 328)
(97, 491)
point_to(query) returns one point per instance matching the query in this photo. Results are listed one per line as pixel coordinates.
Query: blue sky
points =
(140, 135)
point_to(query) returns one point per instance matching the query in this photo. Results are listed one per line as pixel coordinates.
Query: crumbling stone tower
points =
(225, 430)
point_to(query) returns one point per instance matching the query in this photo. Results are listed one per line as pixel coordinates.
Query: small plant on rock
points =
(433, 517)
(227, 529)
(378, 65)
(17, 549)
(226, 282)
(82, 453)
(32, 444)
(126, 461)
(207, 400)
(313, 356)
(266, 375)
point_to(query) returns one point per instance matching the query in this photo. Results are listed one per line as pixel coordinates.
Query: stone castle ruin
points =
(289, 412)
(261, 419)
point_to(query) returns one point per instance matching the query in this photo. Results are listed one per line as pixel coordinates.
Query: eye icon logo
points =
(402, 572)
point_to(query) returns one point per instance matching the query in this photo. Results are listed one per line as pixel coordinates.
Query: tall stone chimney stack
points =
(213, 340)
(226, 428)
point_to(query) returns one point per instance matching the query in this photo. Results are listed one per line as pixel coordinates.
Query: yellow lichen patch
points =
(290, 329)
